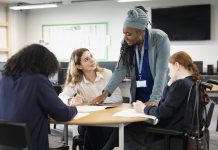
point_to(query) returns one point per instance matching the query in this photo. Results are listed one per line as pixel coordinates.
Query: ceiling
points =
(20, 2)
(46, 1)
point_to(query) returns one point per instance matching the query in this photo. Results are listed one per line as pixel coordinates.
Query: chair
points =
(78, 140)
(14, 135)
(170, 135)
(217, 125)
(64, 147)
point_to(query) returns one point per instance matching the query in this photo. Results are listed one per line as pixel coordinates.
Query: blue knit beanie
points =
(136, 18)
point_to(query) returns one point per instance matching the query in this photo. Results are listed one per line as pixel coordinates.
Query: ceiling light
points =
(40, 6)
(131, 0)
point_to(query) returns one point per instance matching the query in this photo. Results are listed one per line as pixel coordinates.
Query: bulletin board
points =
(62, 39)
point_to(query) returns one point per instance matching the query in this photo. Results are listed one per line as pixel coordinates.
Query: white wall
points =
(114, 13)
(18, 30)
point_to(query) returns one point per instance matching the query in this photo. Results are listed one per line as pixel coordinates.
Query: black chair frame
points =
(14, 135)
(168, 133)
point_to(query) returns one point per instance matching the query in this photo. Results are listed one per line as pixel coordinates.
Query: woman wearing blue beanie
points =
(144, 56)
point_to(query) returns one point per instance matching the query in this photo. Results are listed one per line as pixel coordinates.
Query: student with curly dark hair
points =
(27, 96)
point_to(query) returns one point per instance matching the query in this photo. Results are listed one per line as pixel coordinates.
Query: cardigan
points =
(158, 54)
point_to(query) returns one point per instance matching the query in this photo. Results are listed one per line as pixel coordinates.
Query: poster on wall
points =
(62, 39)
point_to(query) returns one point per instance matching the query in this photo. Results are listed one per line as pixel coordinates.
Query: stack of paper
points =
(133, 113)
(89, 108)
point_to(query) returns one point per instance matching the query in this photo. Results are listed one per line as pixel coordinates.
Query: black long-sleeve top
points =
(172, 106)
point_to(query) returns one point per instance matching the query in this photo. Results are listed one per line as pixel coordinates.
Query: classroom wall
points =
(18, 30)
(114, 13)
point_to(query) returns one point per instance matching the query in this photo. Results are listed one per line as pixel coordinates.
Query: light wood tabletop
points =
(104, 117)
(214, 89)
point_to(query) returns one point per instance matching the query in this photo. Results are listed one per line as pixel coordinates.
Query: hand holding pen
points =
(76, 100)
(99, 99)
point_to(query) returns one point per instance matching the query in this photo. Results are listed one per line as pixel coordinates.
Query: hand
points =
(139, 106)
(151, 103)
(99, 99)
(77, 100)
(172, 79)
(170, 82)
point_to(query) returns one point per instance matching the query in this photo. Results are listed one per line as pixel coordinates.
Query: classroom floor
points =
(55, 136)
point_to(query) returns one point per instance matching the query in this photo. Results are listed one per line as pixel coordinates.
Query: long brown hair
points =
(75, 75)
(186, 61)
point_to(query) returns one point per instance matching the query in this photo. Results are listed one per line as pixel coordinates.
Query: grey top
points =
(158, 54)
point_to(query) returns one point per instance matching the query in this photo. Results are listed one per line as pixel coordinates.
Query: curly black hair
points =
(127, 54)
(32, 59)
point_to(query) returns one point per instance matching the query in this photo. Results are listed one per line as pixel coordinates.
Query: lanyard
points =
(140, 60)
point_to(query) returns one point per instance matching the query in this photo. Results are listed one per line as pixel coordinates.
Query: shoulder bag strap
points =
(186, 116)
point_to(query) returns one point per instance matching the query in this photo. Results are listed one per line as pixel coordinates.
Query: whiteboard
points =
(62, 39)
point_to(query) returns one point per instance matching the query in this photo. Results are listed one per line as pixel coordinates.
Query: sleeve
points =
(174, 98)
(116, 97)
(117, 77)
(160, 80)
(52, 104)
(68, 92)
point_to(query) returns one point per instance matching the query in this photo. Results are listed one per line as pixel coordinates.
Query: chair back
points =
(13, 136)
(209, 112)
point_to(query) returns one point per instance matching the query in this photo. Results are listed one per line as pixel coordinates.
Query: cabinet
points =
(4, 32)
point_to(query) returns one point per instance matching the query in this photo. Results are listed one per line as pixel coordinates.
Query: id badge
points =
(141, 83)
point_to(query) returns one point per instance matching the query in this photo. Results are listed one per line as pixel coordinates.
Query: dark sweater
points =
(172, 106)
(30, 99)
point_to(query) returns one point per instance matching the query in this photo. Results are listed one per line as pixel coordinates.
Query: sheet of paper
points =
(133, 113)
(80, 115)
(89, 108)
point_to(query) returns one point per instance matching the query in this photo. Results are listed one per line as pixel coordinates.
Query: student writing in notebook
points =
(85, 80)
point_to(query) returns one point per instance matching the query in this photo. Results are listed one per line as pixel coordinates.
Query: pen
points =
(78, 92)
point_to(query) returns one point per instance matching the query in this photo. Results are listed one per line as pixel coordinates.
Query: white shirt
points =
(91, 90)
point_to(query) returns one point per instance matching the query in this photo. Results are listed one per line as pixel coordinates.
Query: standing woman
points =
(85, 80)
(144, 55)
(27, 95)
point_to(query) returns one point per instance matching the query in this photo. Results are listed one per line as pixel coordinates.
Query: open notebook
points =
(133, 113)
(91, 108)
